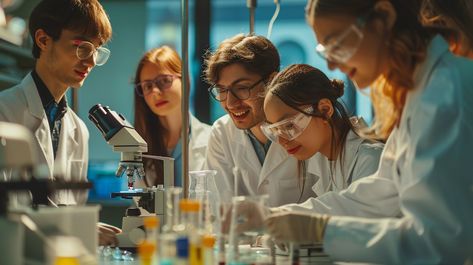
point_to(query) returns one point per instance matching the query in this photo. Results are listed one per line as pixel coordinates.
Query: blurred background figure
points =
(456, 16)
(158, 117)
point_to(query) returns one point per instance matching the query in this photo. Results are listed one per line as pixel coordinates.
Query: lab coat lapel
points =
(274, 158)
(246, 153)
(41, 132)
(67, 143)
(352, 148)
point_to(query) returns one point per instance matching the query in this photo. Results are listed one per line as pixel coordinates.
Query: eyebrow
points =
(236, 81)
(84, 38)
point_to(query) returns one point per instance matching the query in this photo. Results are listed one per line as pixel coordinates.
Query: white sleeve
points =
(367, 161)
(217, 158)
(435, 187)
(372, 196)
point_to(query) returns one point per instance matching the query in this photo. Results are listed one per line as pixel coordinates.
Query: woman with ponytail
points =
(305, 116)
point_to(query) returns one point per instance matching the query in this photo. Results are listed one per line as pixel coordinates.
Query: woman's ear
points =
(326, 108)
(386, 12)
(41, 39)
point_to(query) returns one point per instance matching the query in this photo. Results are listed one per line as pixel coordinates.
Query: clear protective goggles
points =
(289, 128)
(344, 46)
(85, 49)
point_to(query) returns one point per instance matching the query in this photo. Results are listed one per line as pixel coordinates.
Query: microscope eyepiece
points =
(107, 121)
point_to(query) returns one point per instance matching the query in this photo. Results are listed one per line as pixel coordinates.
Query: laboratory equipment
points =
(148, 249)
(121, 135)
(185, 92)
(151, 201)
(17, 148)
(199, 189)
(208, 242)
(18, 163)
(168, 237)
(248, 214)
(251, 4)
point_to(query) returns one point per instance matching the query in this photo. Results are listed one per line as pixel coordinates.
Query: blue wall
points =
(110, 84)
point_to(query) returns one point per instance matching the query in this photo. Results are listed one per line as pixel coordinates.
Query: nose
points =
(91, 61)
(231, 99)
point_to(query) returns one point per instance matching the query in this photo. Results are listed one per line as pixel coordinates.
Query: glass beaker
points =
(201, 180)
(247, 216)
(200, 187)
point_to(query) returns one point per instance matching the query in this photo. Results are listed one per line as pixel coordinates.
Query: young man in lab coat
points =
(67, 43)
(245, 160)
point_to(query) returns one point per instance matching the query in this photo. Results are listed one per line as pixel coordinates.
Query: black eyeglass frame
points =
(226, 90)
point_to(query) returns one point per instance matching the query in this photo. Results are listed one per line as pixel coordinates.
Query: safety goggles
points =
(241, 92)
(86, 49)
(343, 47)
(289, 128)
(161, 82)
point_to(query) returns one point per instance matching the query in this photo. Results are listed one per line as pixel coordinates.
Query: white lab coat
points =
(232, 155)
(424, 177)
(360, 159)
(198, 141)
(21, 104)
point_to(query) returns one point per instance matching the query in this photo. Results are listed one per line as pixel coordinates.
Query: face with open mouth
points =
(245, 113)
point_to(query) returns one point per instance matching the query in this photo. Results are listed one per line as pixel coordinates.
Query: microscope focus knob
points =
(133, 212)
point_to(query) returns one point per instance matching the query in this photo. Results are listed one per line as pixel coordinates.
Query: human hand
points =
(296, 227)
(249, 216)
(107, 234)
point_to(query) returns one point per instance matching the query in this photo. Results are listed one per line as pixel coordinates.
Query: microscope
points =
(123, 138)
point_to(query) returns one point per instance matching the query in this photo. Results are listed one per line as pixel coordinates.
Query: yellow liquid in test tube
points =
(66, 261)
(195, 254)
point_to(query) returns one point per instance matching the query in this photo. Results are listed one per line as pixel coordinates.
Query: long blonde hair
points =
(407, 44)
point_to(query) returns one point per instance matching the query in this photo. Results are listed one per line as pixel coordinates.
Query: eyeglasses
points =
(239, 91)
(289, 128)
(161, 82)
(86, 49)
(343, 47)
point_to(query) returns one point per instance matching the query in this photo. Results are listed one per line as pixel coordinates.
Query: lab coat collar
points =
(32, 97)
(275, 156)
(41, 131)
(437, 47)
(352, 145)
(242, 144)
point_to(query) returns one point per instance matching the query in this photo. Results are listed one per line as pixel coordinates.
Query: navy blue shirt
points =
(54, 111)
(260, 149)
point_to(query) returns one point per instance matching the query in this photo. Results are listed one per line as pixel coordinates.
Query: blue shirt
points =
(260, 149)
(176, 153)
(54, 111)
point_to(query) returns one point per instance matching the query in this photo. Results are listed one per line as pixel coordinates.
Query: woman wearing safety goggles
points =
(304, 115)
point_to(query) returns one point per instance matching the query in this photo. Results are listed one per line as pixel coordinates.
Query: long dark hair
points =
(407, 44)
(300, 85)
(147, 124)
